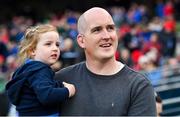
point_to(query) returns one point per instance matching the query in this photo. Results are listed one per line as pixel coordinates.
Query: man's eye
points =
(110, 28)
(96, 29)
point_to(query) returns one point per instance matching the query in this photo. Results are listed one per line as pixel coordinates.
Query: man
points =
(105, 87)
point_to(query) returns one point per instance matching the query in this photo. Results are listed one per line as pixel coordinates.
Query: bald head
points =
(81, 24)
(90, 14)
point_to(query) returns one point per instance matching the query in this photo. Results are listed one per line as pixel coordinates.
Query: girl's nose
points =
(55, 47)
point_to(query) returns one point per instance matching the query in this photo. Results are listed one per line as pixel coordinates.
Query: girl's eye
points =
(48, 44)
(57, 44)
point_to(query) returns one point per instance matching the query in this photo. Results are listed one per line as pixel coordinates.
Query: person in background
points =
(159, 105)
(32, 89)
(105, 86)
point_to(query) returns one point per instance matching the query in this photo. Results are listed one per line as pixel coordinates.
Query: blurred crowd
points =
(146, 42)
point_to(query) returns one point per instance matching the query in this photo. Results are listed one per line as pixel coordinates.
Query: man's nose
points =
(105, 34)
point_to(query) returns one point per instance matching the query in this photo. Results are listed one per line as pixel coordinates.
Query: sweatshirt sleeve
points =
(46, 88)
(142, 99)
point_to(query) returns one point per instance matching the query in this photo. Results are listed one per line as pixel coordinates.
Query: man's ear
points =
(80, 40)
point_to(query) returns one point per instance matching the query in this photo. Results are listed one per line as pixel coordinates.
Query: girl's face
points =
(47, 49)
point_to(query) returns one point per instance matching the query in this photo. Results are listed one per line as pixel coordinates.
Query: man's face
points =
(100, 37)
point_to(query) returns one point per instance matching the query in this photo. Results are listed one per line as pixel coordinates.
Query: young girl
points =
(32, 89)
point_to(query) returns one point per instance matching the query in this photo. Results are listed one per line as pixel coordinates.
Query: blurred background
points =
(148, 34)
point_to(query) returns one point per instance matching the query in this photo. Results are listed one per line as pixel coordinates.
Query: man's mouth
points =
(105, 45)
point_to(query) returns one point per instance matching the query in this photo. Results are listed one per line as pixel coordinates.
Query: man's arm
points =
(142, 100)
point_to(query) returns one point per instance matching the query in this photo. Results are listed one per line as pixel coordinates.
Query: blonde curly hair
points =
(31, 38)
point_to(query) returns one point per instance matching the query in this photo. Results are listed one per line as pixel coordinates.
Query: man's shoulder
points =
(72, 67)
(134, 75)
(70, 70)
